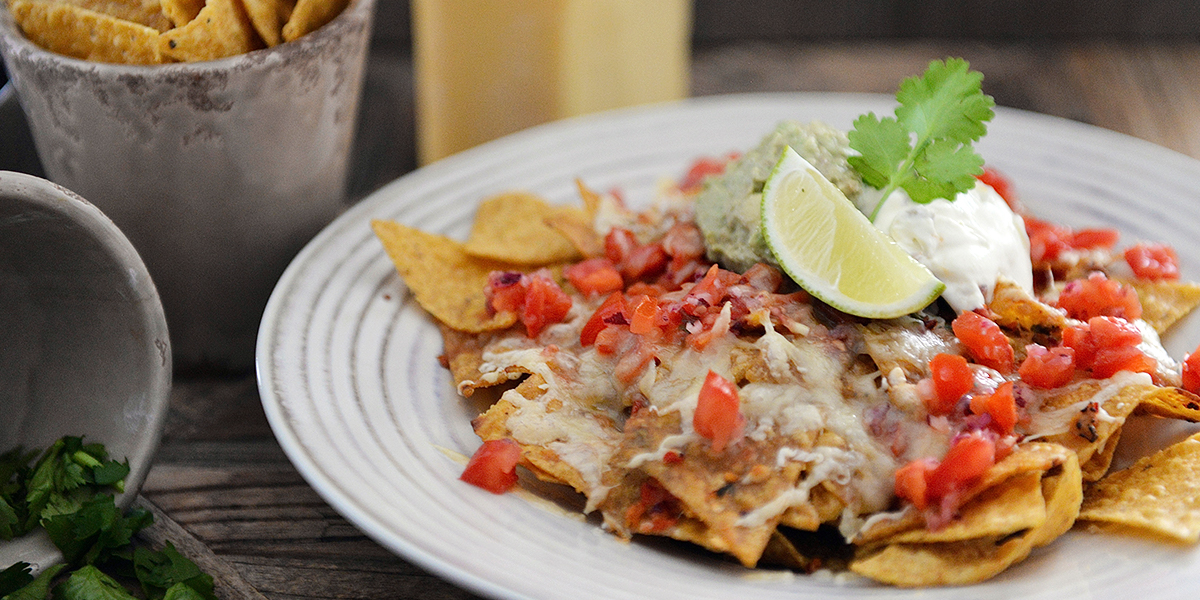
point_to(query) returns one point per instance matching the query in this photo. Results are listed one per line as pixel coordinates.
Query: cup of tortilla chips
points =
(220, 152)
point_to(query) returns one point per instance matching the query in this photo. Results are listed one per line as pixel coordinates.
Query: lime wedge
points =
(830, 248)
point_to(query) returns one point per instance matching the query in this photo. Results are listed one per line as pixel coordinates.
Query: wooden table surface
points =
(228, 495)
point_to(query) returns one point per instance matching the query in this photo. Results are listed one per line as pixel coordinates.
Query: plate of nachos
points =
(568, 362)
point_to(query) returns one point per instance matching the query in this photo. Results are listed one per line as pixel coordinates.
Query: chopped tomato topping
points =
(545, 304)
(1099, 296)
(683, 241)
(1048, 241)
(506, 290)
(952, 379)
(614, 311)
(984, 340)
(718, 416)
(967, 460)
(535, 297)
(618, 244)
(645, 316)
(1002, 185)
(1107, 345)
(764, 277)
(1153, 261)
(594, 276)
(655, 511)
(493, 467)
(911, 481)
(1111, 360)
(1191, 372)
(1047, 368)
(608, 341)
(702, 168)
(1000, 405)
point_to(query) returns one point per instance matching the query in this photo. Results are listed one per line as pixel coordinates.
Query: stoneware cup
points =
(84, 348)
(217, 171)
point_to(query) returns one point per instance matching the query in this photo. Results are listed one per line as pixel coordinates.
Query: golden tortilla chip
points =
(268, 17)
(1171, 403)
(310, 15)
(1159, 494)
(220, 30)
(512, 227)
(142, 12)
(574, 225)
(1015, 309)
(1013, 505)
(181, 12)
(1165, 302)
(86, 34)
(978, 559)
(1093, 428)
(445, 280)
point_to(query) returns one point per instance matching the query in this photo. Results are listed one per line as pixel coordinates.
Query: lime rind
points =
(832, 250)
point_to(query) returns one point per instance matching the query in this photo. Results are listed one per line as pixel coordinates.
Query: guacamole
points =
(727, 208)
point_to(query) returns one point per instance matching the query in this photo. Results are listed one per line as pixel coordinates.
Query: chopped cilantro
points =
(69, 493)
(926, 148)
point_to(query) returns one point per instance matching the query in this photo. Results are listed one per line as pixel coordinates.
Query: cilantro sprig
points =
(69, 493)
(926, 148)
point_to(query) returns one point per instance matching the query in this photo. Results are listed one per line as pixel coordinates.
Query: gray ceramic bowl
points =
(83, 342)
(217, 171)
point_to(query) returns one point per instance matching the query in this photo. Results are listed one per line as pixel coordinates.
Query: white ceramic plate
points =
(349, 377)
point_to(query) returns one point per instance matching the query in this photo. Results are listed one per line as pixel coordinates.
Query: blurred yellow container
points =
(486, 68)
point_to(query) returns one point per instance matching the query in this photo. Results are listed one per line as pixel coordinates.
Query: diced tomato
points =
(1113, 332)
(967, 460)
(683, 241)
(645, 316)
(493, 467)
(1107, 345)
(545, 304)
(1000, 405)
(644, 262)
(1046, 240)
(1113, 359)
(1099, 296)
(594, 276)
(702, 168)
(655, 511)
(1191, 372)
(952, 379)
(618, 244)
(608, 341)
(506, 290)
(911, 481)
(718, 416)
(1001, 184)
(1047, 368)
(614, 311)
(1091, 239)
(984, 340)
(1153, 261)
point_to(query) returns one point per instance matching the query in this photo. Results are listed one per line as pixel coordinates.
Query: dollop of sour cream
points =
(969, 243)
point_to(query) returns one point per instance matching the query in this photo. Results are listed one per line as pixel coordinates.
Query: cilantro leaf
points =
(89, 583)
(926, 149)
(160, 572)
(38, 588)
(92, 533)
(15, 577)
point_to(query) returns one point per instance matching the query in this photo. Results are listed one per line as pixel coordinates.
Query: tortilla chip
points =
(1171, 403)
(974, 560)
(268, 17)
(576, 227)
(1159, 495)
(512, 228)
(463, 356)
(1165, 302)
(310, 15)
(444, 279)
(1090, 433)
(181, 12)
(1013, 505)
(220, 30)
(1016, 309)
(142, 12)
(86, 34)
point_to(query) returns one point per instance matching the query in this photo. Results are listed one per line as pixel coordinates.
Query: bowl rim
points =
(12, 38)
